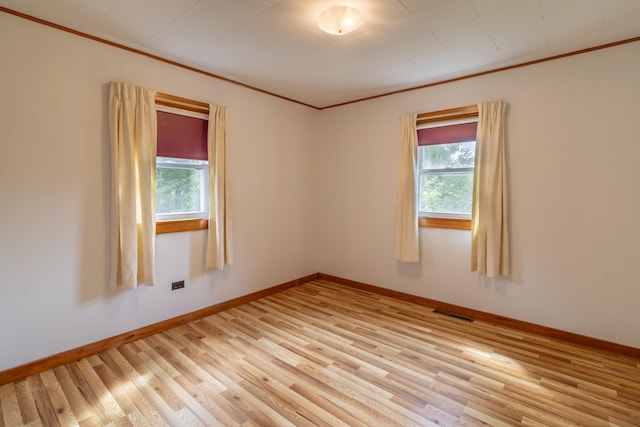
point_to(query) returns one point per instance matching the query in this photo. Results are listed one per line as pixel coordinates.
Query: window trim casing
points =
(460, 113)
(179, 225)
(190, 105)
(437, 222)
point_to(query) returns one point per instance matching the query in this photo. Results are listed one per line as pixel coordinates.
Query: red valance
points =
(181, 136)
(462, 132)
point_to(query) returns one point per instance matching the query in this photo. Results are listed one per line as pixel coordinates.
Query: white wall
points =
(573, 148)
(54, 186)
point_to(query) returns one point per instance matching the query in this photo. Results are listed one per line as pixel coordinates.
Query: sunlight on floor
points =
(496, 360)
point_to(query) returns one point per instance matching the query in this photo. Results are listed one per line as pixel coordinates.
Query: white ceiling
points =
(274, 45)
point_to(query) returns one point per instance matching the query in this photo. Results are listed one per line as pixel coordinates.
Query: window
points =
(181, 188)
(446, 155)
(182, 177)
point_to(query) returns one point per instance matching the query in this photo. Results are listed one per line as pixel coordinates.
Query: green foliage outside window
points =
(447, 193)
(446, 180)
(178, 189)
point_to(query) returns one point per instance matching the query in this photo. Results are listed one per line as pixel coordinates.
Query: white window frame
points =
(203, 168)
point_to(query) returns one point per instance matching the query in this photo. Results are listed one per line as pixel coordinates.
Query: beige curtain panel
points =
(406, 246)
(489, 224)
(219, 243)
(133, 136)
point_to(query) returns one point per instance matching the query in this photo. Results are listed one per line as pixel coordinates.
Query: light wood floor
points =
(324, 354)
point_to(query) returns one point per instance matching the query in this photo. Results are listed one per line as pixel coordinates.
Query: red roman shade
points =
(462, 132)
(181, 136)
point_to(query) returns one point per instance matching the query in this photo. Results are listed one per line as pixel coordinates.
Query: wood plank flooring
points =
(328, 355)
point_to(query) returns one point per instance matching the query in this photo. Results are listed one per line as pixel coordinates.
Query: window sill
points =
(455, 223)
(176, 226)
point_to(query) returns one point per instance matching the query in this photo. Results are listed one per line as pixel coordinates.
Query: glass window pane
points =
(178, 189)
(444, 156)
(446, 192)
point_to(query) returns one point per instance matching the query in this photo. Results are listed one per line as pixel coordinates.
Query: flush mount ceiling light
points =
(339, 20)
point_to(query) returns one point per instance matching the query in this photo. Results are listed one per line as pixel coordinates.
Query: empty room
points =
(315, 212)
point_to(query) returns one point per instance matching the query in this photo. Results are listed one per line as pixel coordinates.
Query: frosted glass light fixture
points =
(339, 20)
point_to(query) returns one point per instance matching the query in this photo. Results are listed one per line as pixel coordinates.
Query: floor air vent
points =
(455, 316)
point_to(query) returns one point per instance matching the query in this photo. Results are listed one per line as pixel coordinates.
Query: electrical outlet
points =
(177, 285)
